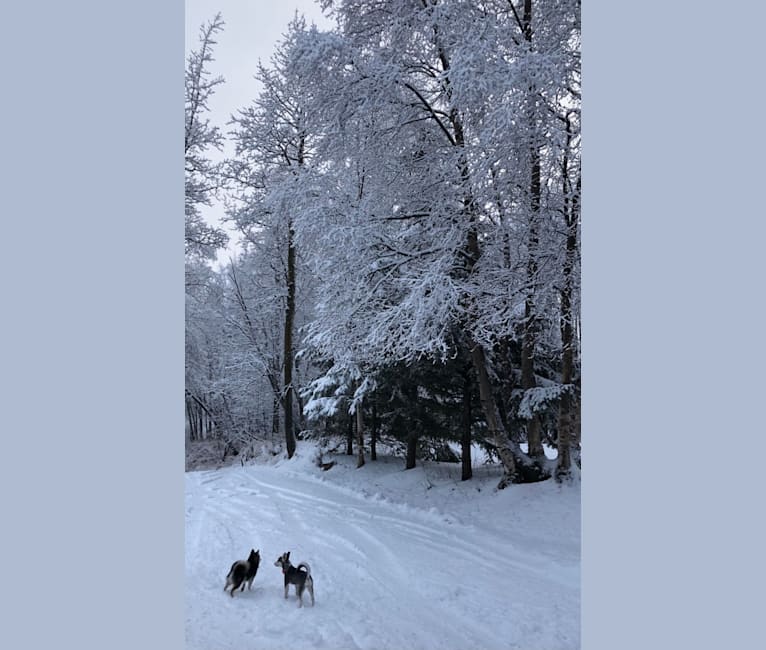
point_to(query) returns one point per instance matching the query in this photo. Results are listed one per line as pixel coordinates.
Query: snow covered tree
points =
(416, 97)
(568, 418)
(201, 239)
(202, 178)
(273, 151)
(409, 185)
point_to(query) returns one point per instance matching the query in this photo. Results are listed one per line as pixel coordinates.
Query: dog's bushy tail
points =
(230, 575)
(305, 566)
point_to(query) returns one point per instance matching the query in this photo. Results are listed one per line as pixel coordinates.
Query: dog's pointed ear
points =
(287, 555)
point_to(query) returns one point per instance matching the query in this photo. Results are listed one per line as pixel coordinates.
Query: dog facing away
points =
(243, 571)
(299, 576)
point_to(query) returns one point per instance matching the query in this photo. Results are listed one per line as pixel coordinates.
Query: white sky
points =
(251, 31)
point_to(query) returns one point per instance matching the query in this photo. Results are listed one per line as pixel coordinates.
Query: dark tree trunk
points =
(518, 467)
(576, 428)
(465, 441)
(412, 449)
(496, 434)
(275, 419)
(534, 438)
(350, 436)
(200, 418)
(290, 322)
(564, 461)
(374, 433)
(359, 436)
(188, 418)
(505, 384)
(568, 400)
(288, 357)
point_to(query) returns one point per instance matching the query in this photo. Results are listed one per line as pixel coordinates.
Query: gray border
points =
(92, 343)
(673, 327)
(93, 311)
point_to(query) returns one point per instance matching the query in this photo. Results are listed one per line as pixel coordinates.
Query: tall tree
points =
(534, 440)
(421, 234)
(272, 151)
(200, 136)
(569, 400)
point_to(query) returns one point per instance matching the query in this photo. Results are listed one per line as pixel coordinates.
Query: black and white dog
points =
(243, 571)
(299, 576)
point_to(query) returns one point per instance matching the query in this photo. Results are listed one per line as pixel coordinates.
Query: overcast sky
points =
(251, 31)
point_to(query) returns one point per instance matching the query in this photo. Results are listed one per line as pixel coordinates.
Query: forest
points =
(406, 190)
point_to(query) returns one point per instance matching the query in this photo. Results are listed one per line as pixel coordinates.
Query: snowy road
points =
(386, 575)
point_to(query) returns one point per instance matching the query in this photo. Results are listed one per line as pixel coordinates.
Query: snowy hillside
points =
(438, 563)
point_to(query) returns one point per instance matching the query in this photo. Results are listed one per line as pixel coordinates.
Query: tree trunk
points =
(465, 441)
(288, 356)
(374, 435)
(290, 322)
(576, 425)
(518, 467)
(534, 439)
(412, 449)
(190, 418)
(568, 400)
(497, 436)
(522, 471)
(564, 461)
(359, 436)
(275, 419)
(497, 432)
(350, 436)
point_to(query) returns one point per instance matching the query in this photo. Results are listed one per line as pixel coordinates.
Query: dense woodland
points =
(407, 189)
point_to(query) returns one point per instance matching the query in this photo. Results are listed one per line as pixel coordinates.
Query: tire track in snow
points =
(423, 583)
(425, 534)
(438, 545)
(365, 546)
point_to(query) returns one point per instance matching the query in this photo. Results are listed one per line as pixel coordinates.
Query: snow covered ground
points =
(401, 559)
